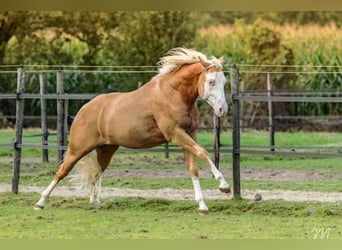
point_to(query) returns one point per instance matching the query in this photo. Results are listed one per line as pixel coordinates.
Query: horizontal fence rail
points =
(242, 97)
(49, 96)
(287, 99)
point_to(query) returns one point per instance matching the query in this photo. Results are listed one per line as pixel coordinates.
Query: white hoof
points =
(203, 212)
(38, 207)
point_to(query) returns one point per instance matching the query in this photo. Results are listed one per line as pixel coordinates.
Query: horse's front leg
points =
(224, 186)
(191, 162)
(181, 138)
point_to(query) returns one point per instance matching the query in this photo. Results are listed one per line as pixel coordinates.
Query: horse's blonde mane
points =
(177, 57)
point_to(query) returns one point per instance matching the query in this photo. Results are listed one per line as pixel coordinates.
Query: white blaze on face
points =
(214, 92)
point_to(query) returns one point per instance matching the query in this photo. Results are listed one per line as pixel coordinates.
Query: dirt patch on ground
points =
(186, 194)
(245, 174)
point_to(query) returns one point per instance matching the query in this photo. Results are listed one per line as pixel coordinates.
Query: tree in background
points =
(11, 23)
(266, 48)
(143, 37)
(89, 27)
(52, 38)
(91, 38)
(18, 24)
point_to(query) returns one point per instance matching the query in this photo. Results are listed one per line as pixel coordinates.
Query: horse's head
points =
(211, 86)
(211, 80)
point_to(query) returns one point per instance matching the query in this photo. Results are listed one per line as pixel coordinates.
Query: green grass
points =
(250, 138)
(133, 218)
(295, 163)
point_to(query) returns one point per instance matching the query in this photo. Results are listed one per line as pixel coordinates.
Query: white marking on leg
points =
(92, 193)
(95, 191)
(45, 194)
(198, 194)
(218, 175)
(98, 193)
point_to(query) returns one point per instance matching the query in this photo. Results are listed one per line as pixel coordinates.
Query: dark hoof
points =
(38, 207)
(225, 190)
(203, 212)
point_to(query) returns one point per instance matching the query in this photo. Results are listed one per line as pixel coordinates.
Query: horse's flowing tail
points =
(88, 174)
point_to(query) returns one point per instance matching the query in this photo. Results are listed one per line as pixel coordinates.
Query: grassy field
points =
(133, 218)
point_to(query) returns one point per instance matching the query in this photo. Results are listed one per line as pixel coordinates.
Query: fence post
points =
(19, 122)
(242, 107)
(234, 78)
(43, 115)
(61, 130)
(270, 112)
(217, 140)
(66, 125)
(166, 150)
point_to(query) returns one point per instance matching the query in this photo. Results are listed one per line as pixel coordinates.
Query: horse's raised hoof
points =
(38, 207)
(203, 212)
(225, 190)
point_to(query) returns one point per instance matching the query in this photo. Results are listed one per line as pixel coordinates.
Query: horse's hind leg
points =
(63, 171)
(104, 155)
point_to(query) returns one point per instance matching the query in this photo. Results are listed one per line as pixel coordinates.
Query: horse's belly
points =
(136, 136)
(138, 141)
(143, 143)
(126, 122)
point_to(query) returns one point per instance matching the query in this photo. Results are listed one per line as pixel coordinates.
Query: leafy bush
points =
(146, 36)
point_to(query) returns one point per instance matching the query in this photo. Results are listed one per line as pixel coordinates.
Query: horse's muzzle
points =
(221, 110)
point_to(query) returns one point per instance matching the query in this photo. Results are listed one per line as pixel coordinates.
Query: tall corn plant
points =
(321, 56)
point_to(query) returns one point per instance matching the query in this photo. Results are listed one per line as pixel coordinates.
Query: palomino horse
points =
(162, 110)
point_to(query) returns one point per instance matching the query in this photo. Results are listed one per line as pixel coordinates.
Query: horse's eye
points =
(211, 82)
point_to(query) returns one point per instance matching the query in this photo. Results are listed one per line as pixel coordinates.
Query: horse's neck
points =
(186, 89)
(185, 82)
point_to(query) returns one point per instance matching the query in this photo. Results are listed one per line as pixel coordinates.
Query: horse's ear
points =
(221, 60)
(204, 63)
